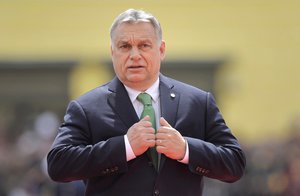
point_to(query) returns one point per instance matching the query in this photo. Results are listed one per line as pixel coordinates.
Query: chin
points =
(136, 78)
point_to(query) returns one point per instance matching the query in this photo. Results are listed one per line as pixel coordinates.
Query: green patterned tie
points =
(145, 99)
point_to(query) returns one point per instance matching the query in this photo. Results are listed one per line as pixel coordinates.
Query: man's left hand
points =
(169, 141)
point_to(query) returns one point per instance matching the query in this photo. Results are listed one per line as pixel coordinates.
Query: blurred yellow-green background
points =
(254, 47)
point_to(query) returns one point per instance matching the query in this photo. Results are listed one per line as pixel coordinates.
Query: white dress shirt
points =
(153, 91)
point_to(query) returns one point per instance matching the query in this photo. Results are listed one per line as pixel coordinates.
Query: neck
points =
(140, 86)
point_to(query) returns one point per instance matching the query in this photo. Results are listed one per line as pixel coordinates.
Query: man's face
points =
(136, 54)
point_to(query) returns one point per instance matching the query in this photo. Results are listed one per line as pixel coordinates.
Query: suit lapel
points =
(120, 102)
(169, 100)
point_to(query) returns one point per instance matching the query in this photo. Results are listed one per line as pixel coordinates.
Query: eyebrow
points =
(137, 39)
(122, 42)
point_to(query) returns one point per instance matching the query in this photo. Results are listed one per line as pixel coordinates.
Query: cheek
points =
(154, 60)
(117, 59)
(119, 62)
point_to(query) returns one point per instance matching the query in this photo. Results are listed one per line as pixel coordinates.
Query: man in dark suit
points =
(105, 142)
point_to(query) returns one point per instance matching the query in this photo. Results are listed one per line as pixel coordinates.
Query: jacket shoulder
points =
(96, 94)
(184, 88)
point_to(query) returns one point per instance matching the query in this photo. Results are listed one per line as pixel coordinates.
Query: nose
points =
(135, 54)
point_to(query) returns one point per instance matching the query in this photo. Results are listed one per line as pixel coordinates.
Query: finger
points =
(147, 131)
(148, 141)
(160, 149)
(161, 135)
(145, 122)
(159, 142)
(163, 122)
(165, 130)
(146, 118)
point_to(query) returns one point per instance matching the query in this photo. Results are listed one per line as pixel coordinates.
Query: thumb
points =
(146, 118)
(163, 122)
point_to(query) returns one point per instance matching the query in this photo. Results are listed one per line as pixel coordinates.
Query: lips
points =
(135, 66)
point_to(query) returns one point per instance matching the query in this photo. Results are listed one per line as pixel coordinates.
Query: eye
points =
(144, 46)
(124, 46)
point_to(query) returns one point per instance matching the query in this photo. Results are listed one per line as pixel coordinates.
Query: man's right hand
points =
(141, 136)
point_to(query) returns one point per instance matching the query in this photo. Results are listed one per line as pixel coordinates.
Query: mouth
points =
(135, 67)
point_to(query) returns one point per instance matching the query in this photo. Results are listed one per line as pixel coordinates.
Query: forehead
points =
(129, 31)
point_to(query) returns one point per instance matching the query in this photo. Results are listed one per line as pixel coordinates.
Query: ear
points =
(162, 49)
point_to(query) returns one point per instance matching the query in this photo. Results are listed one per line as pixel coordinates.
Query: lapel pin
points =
(173, 95)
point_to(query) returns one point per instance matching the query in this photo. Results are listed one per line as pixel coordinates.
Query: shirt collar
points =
(153, 91)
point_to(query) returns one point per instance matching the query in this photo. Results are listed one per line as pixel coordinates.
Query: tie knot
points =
(145, 99)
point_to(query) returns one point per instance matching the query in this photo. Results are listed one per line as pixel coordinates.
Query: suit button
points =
(156, 192)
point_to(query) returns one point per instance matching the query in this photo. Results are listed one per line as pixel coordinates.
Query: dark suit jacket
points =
(90, 143)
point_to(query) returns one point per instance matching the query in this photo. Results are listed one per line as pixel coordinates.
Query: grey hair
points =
(136, 16)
